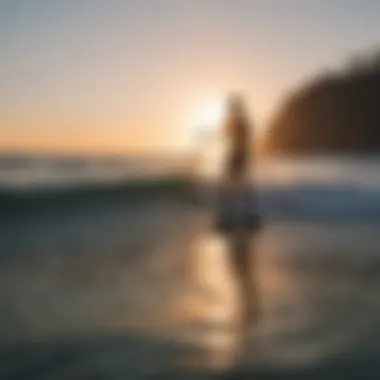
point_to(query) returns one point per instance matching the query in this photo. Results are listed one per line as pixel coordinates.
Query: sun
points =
(209, 115)
(204, 120)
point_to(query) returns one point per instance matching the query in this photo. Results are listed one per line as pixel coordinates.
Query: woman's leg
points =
(242, 268)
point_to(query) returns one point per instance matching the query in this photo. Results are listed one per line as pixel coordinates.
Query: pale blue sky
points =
(116, 74)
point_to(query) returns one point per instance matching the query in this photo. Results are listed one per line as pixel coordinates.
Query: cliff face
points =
(335, 114)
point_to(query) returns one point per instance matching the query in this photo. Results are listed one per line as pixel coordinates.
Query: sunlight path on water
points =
(205, 313)
(309, 280)
(212, 297)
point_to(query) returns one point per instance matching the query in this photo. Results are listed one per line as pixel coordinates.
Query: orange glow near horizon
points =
(186, 124)
(78, 142)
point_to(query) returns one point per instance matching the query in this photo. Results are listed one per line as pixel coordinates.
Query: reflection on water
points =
(317, 285)
(209, 308)
(77, 284)
(210, 279)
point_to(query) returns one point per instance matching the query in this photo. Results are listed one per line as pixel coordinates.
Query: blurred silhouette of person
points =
(236, 184)
(236, 187)
(237, 130)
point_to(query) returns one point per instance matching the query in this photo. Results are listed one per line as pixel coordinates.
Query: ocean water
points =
(26, 172)
(125, 278)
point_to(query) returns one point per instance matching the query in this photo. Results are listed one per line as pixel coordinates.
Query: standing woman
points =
(238, 217)
(237, 130)
(236, 187)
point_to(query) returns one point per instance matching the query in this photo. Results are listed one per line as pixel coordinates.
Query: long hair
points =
(238, 132)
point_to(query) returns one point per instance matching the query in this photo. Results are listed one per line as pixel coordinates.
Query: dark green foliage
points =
(335, 114)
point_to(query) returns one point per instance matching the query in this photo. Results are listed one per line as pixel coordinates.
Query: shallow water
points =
(113, 285)
(130, 290)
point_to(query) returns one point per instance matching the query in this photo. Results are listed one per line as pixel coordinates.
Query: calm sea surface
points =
(136, 287)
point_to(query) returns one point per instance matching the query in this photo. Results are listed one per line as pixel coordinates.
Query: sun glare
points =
(209, 115)
(201, 135)
(203, 121)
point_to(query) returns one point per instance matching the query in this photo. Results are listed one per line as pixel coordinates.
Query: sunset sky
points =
(126, 76)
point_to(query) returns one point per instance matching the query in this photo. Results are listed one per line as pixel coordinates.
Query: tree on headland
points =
(337, 113)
